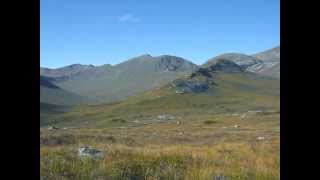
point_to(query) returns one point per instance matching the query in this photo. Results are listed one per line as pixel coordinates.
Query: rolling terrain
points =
(107, 83)
(112, 83)
(266, 63)
(223, 84)
(219, 120)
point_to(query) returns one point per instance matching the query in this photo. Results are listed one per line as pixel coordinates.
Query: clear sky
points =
(111, 31)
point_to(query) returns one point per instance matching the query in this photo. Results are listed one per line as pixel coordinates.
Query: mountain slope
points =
(266, 63)
(242, 60)
(271, 62)
(53, 94)
(111, 83)
(223, 87)
(272, 54)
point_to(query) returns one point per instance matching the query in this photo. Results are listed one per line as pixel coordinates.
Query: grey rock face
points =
(202, 72)
(240, 59)
(226, 66)
(271, 62)
(269, 55)
(265, 63)
(191, 86)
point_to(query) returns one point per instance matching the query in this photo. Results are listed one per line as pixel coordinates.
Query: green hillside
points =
(235, 92)
(217, 121)
(49, 112)
(107, 83)
(52, 94)
(230, 129)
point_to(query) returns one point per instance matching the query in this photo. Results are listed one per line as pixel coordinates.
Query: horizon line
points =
(146, 54)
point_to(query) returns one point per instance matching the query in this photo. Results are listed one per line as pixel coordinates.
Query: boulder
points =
(51, 128)
(165, 117)
(243, 116)
(90, 152)
(261, 138)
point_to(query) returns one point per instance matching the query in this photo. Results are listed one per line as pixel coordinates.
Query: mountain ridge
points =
(108, 83)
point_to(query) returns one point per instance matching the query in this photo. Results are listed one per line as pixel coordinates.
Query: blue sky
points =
(110, 31)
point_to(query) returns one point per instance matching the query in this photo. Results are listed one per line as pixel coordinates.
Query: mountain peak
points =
(173, 63)
(242, 60)
(76, 66)
(144, 56)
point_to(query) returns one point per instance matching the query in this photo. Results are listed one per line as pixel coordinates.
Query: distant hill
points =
(266, 63)
(271, 62)
(242, 60)
(272, 54)
(67, 71)
(108, 83)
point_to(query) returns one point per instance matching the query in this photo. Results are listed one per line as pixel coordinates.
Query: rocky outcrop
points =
(191, 86)
(227, 66)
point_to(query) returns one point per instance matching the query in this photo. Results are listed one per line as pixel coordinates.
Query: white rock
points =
(261, 138)
(89, 152)
(52, 128)
(243, 116)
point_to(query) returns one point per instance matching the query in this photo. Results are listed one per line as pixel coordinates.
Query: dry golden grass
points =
(192, 150)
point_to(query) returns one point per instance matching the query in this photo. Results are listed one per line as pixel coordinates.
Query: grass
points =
(160, 151)
(216, 135)
(234, 160)
(208, 122)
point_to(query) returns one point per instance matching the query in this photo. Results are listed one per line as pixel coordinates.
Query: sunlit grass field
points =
(232, 131)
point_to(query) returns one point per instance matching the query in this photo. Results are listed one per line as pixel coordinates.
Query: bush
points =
(54, 140)
(210, 122)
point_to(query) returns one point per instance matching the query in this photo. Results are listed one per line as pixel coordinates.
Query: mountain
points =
(242, 60)
(272, 54)
(221, 87)
(67, 71)
(108, 83)
(271, 62)
(203, 79)
(53, 94)
(266, 63)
